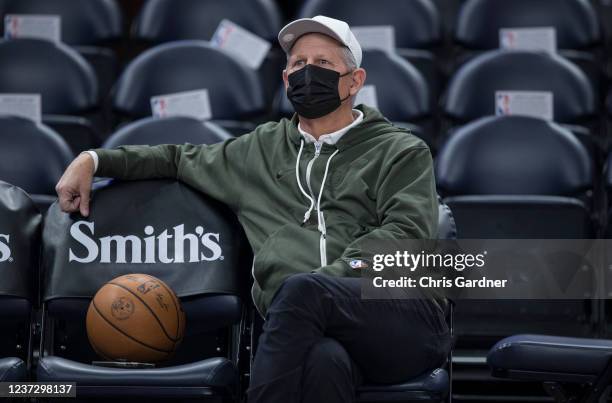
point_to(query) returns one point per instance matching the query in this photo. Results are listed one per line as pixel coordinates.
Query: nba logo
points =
(357, 264)
(159, 107)
(502, 104)
(508, 39)
(12, 27)
(221, 36)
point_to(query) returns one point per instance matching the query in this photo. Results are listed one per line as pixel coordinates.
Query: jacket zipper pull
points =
(317, 145)
(322, 228)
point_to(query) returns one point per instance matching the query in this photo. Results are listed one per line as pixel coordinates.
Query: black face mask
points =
(313, 91)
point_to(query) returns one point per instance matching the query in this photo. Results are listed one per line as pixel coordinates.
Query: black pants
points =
(320, 341)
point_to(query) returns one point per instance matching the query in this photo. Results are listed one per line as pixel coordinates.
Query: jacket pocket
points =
(289, 250)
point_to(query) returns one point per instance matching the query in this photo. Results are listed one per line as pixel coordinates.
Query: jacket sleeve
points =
(217, 169)
(407, 207)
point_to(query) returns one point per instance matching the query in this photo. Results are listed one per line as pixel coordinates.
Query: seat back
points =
(20, 231)
(401, 90)
(471, 91)
(481, 172)
(197, 247)
(234, 90)
(517, 177)
(88, 22)
(167, 20)
(416, 22)
(47, 155)
(66, 82)
(575, 21)
(496, 156)
(172, 130)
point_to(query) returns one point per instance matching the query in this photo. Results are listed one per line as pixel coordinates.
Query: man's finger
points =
(65, 201)
(84, 205)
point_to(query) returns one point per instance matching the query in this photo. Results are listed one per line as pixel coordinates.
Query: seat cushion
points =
(214, 372)
(14, 309)
(431, 386)
(549, 357)
(12, 370)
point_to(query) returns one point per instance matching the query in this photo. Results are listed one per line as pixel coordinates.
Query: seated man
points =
(306, 191)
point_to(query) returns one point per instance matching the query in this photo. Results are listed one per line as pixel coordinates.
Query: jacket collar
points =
(367, 129)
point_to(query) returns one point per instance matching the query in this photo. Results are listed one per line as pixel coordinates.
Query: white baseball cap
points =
(339, 30)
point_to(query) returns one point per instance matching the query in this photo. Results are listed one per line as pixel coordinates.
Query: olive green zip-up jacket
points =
(378, 184)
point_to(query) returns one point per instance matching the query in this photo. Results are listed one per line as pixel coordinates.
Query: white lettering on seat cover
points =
(5, 250)
(150, 248)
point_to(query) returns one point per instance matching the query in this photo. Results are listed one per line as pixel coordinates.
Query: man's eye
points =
(323, 61)
(298, 63)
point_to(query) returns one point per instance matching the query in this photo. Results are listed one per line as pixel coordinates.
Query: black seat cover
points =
(550, 355)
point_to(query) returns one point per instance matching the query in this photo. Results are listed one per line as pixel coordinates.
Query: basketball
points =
(136, 318)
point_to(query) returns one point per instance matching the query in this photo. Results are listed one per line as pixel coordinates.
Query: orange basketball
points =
(135, 317)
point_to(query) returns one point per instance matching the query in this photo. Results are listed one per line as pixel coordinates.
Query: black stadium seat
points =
(571, 369)
(402, 92)
(173, 130)
(212, 291)
(88, 26)
(235, 91)
(20, 230)
(33, 157)
(471, 91)
(577, 28)
(12, 370)
(575, 21)
(64, 79)
(91, 22)
(172, 20)
(416, 22)
(66, 82)
(516, 177)
(430, 387)
(482, 170)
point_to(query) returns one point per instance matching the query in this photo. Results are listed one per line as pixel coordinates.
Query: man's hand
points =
(74, 187)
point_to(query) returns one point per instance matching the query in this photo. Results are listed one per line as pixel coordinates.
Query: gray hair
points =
(349, 58)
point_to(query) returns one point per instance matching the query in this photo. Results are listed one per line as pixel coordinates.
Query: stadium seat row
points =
(417, 24)
(483, 163)
(75, 260)
(52, 266)
(482, 86)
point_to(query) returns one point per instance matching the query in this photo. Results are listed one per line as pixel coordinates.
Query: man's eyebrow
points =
(317, 56)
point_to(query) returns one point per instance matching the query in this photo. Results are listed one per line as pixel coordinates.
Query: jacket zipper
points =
(317, 146)
(320, 219)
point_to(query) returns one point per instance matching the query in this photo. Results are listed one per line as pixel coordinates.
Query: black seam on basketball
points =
(125, 334)
(148, 307)
(176, 308)
(174, 301)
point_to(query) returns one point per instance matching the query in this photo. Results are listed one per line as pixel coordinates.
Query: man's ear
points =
(359, 77)
(285, 79)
